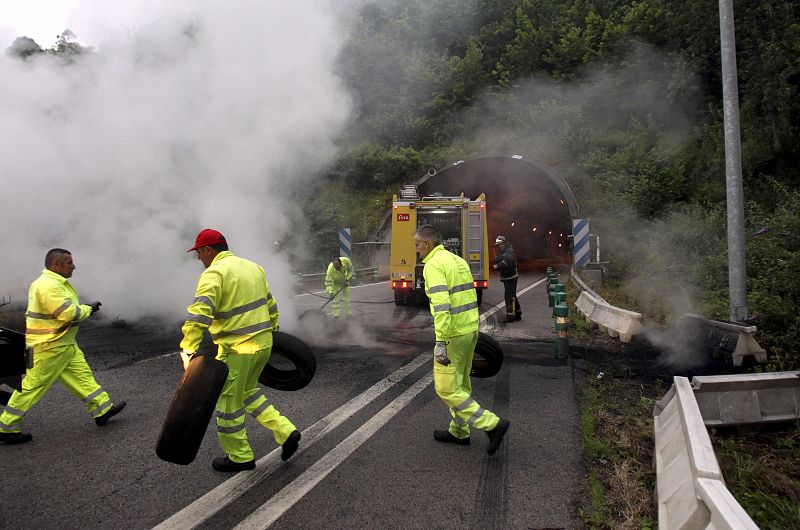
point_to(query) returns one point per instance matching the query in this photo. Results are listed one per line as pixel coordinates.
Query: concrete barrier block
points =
(725, 512)
(741, 399)
(683, 453)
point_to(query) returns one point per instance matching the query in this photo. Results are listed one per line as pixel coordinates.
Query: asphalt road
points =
(367, 458)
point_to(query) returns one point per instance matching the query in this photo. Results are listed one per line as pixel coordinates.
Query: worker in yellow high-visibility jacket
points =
(52, 319)
(338, 278)
(234, 303)
(454, 306)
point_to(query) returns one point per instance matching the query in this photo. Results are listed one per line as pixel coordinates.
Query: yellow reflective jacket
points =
(53, 313)
(233, 301)
(335, 280)
(449, 285)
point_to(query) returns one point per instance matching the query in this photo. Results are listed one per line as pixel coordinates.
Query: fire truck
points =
(462, 223)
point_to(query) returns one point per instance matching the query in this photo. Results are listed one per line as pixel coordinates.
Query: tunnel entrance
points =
(525, 201)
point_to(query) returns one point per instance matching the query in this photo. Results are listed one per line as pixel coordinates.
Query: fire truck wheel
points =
(291, 366)
(191, 410)
(488, 357)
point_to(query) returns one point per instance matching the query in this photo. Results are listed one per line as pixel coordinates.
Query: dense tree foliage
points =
(623, 97)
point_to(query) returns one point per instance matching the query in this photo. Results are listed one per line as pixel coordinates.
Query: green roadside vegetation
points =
(761, 468)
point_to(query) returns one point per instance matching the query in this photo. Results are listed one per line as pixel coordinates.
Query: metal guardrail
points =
(617, 322)
(303, 280)
(690, 489)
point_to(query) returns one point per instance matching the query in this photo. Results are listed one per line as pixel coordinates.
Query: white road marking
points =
(282, 501)
(215, 500)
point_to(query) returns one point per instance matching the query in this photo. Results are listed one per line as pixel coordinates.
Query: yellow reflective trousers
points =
(241, 395)
(454, 388)
(65, 364)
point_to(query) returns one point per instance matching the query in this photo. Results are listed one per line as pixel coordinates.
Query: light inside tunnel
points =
(518, 193)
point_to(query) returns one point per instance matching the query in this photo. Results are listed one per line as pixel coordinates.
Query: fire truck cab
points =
(462, 223)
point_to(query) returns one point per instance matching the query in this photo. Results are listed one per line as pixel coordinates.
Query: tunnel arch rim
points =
(550, 172)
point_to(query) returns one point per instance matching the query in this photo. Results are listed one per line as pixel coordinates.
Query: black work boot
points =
(448, 438)
(223, 463)
(496, 436)
(14, 438)
(290, 445)
(113, 411)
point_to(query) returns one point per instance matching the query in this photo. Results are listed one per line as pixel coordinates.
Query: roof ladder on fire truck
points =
(409, 192)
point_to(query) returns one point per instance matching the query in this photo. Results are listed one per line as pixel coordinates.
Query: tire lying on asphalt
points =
(191, 410)
(488, 357)
(288, 350)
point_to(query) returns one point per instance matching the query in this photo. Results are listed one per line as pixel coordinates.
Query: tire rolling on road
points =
(191, 410)
(288, 349)
(488, 357)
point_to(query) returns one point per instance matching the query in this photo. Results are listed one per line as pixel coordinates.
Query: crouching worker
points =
(454, 306)
(51, 323)
(234, 303)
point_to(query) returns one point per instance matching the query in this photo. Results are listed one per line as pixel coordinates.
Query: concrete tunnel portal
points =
(525, 201)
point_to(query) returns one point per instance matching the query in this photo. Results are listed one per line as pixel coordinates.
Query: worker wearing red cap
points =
(234, 303)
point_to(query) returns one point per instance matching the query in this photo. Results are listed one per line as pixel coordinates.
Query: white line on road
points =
(282, 501)
(215, 500)
(502, 304)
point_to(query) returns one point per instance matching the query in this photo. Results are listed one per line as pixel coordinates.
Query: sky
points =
(188, 114)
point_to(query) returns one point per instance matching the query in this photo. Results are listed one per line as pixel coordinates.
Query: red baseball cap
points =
(207, 237)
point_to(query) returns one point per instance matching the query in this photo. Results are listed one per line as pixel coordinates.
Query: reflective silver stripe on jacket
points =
(206, 300)
(62, 308)
(40, 316)
(54, 331)
(241, 309)
(462, 308)
(200, 318)
(441, 307)
(261, 326)
(462, 287)
(438, 289)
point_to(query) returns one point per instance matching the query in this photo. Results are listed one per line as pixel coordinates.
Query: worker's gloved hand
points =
(495, 266)
(186, 357)
(440, 353)
(95, 307)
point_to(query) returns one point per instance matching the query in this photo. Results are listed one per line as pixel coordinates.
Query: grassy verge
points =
(761, 470)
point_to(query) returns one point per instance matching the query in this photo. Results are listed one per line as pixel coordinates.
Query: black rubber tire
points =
(488, 358)
(288, 347)
(191, 410)
(12, 353)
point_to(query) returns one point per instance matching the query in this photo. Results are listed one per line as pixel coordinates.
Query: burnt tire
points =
(288, 349)
(488, 358)
(191, 410)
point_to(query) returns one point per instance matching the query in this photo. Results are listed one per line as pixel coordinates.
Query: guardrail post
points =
(559, 297)
(552, 280)
(561, 323)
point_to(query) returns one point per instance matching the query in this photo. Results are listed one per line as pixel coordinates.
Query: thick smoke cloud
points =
(186, 115)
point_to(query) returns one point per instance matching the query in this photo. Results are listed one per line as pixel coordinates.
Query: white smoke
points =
(187, 115)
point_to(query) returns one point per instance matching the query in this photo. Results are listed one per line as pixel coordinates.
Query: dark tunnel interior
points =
(523, 203)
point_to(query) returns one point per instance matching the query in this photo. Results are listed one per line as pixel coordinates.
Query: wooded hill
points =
(624, 99)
